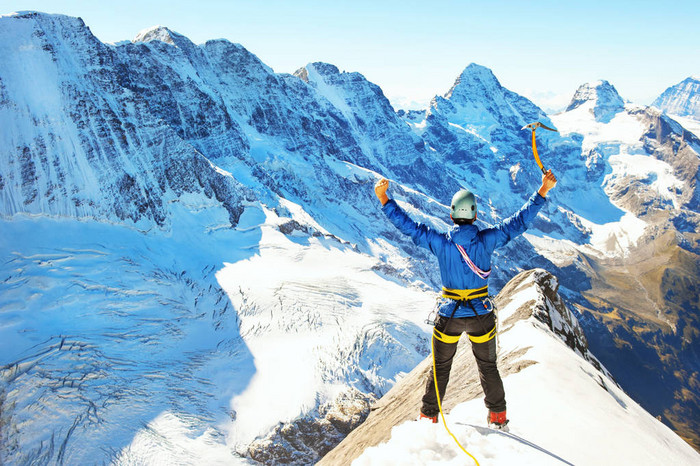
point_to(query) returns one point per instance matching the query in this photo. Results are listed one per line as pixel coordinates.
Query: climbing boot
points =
(497, 420)
(431, 418)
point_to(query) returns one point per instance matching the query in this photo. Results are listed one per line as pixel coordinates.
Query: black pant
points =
(485, 354)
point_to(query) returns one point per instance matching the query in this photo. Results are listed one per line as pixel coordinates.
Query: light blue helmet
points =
(463, 205)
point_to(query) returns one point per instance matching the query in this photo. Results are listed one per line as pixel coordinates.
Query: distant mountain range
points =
(683, 99)
(187, 234)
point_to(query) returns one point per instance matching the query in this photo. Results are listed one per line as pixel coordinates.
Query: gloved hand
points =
(548, 182)
(380, 190)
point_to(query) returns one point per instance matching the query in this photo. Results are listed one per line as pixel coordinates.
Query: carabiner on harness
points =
(434, 315)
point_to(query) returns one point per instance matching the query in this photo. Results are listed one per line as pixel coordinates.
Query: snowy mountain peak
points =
(160, 33)
(604, 99)
(683, 99)
(474, 107)
(473, 75)
(476, 70)
(600, 92)
(325, 69)
(342, 87)
(318, 69)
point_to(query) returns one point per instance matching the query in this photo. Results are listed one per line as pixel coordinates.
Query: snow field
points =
(171, 439)
(620, 141)
(657, 173)
(424, 443)
(104, 331)
(615, 238)
(623, 128)
(312, 313)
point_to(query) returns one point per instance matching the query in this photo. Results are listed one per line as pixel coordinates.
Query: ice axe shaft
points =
(534, 127)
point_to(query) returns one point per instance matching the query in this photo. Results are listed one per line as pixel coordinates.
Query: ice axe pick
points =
(533, 127)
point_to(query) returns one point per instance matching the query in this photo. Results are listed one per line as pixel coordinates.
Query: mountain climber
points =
(464, 256)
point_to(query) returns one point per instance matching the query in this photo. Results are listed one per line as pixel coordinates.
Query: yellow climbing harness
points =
(451, 339)
(464, 295)
(445, 338)
(484, 338)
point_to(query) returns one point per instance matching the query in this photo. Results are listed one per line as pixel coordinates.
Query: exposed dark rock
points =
(308, 439)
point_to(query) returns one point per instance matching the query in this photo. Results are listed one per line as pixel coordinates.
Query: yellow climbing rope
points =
(437, 392)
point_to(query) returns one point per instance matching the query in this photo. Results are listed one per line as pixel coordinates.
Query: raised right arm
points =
(421, 234)
(521, 220)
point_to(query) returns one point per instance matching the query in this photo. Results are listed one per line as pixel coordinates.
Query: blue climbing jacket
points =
(478, 244)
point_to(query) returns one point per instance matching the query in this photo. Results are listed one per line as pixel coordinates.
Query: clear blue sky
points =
(415, 50)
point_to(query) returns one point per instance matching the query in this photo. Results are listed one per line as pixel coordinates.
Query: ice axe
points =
(533, 127)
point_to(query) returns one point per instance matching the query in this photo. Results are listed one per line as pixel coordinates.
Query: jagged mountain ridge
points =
(302, 149)
(94, 152)
(478, 134)
(682, 99)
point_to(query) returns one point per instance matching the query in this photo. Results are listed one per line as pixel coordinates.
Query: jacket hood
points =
(462, 234)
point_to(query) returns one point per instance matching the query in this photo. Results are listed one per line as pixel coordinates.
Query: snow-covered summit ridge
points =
(19, 13)
(478, 104)
(160, 33)
(682, 99)
(317, 71)
(540, 374)
(379, 130)
(602, 97)
(321, 74)
(38, 14)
